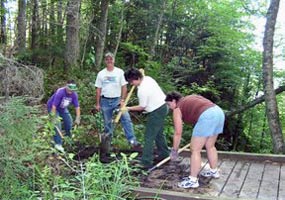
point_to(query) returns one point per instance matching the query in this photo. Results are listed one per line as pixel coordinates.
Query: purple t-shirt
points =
(61, 100)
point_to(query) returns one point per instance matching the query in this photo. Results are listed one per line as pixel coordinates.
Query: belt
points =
(109, 97)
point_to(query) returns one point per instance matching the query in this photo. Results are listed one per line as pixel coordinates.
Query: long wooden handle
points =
(126, 102)
(118, 117)
(59, 132)
(168, 158)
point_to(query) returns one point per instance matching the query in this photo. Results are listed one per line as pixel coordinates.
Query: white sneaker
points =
(211, 173)
(133, 142)
(59, 148)
(189, 182)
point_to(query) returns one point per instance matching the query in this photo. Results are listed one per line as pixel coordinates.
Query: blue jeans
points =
(67, 123)
(108, 106)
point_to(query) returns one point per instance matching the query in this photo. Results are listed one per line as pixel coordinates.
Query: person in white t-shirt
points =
(151, 100)
(111, 91)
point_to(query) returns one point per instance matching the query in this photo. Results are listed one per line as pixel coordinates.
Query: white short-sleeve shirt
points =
(110, 82)
(150, 95)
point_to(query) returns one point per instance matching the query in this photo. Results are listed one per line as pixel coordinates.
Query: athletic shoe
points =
(59, 148)
(210, 173)
(189, 182)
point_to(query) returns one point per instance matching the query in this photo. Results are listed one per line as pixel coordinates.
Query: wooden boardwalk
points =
(243, 176)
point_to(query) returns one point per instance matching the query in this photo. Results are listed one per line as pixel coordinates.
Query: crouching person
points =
(58, 106)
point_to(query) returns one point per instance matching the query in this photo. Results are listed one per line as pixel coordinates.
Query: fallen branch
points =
(253, 103)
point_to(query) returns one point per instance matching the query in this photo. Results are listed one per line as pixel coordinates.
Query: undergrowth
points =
(31, 169)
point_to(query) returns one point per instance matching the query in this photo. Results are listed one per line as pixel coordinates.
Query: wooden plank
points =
(236, 179)
(252, 182)
(269, 182)
(151, 194)
(281, 195)
(225, 169)
(244, 156)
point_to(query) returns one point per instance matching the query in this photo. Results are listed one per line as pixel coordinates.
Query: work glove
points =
(77, 120)
(173, 155)
(124, 109)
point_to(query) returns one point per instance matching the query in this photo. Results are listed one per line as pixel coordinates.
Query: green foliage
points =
(111, 181)
(91, 180)
(18, 149)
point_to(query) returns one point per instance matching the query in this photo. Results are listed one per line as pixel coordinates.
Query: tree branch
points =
(253, 103)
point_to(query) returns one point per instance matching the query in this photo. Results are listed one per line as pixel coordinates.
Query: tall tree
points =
(59, 29)
(3, 36)
(72, 33)
(101, 37)
(270, 97)
(158, 26)
(35, 24)
(21, 29)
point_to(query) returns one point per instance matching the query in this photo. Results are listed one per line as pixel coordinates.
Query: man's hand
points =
(98, 107)
(77, 120)
(173, 155)
(124, 109)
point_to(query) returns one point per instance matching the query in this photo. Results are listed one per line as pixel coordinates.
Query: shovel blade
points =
(105, 145)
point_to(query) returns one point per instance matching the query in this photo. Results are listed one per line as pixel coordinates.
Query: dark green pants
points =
(154, 133)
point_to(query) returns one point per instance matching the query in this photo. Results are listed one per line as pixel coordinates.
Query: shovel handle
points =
(126, 102)
(118, 117)
(168, 158)
(59, 132)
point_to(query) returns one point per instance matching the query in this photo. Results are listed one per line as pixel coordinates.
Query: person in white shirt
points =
(151, 100)
(111, 91)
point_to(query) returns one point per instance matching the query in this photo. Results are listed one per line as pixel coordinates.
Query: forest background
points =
(207, 47)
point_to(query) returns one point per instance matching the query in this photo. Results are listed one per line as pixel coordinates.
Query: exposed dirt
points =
(168, 175)
(165, 177)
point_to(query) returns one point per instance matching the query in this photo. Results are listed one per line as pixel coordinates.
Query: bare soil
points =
(165, 177)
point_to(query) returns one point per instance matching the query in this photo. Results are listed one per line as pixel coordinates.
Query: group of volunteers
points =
(111, 91)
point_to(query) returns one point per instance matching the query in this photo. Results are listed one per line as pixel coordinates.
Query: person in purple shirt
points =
(57, 105)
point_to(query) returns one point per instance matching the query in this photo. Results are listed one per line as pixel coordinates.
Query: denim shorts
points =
(211, 122)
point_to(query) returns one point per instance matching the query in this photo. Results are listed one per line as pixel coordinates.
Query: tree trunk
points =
(59, 29)
(3, 36)
(72, 34)
(158, 25)
(21, 28)
(43, 32)
(35, 24)
(269, 93)
(52, 18)
(120, 31)
(100, 41)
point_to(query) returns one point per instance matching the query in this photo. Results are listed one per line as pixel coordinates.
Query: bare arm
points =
(124, 92)
(77, 111)
(136, 108)
(53, 109)
(178, 128)
(98, 97)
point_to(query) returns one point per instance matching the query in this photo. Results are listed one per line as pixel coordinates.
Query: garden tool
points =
(117, 119)
(59, 132)
(167, 159)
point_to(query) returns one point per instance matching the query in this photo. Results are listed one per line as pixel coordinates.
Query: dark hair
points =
(132, 74)
(71, 82)
(173, 95)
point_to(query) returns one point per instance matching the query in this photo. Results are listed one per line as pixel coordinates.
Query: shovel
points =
(127, 99)
(59, 132)
(167, 159)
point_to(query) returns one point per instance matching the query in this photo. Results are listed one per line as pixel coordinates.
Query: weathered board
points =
(243, 176)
